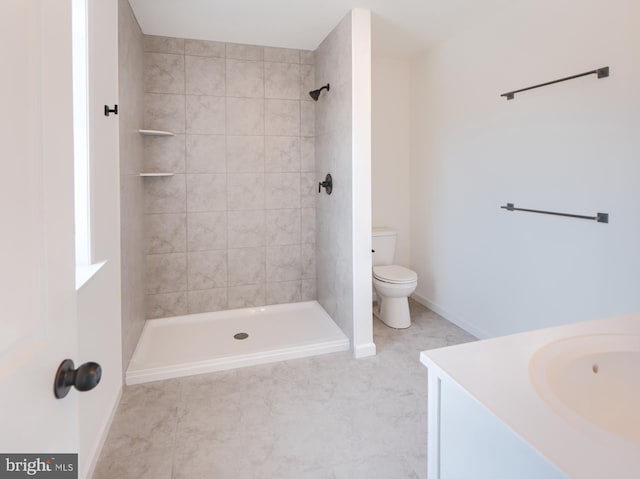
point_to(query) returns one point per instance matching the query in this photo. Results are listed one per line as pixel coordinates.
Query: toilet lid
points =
(394, 274)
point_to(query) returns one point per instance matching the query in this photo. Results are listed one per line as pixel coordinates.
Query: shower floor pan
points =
(202, 343)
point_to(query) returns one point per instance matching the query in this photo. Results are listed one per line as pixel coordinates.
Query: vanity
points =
(554, 403)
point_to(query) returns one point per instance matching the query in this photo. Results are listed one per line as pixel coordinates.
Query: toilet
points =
(392, 283)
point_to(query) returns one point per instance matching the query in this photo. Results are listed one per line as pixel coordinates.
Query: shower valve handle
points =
(327, 184)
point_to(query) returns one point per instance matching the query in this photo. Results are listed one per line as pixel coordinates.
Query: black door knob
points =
(85, 378)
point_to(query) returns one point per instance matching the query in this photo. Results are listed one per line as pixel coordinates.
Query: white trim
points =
(434, 432)
(81, 134)
(461, 323)
(95, 456)
(364, 350)
(361, 181)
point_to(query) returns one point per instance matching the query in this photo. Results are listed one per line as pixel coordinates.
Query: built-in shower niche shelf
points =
(155, 175)
(155, 133)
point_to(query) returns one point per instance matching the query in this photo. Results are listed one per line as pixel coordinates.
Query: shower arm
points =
(315, 94)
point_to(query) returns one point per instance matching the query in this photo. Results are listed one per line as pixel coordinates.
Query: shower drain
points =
(240, 336)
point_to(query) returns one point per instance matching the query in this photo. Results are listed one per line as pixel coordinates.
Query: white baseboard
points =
(461, 323)
(364, 350)
(103, 437)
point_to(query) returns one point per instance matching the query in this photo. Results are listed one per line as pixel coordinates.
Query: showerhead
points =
(315, 94)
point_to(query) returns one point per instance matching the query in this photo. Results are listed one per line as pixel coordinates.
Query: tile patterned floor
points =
(327, 417)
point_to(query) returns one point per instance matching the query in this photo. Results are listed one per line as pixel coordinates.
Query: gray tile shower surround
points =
(235, 226)
(327, 417)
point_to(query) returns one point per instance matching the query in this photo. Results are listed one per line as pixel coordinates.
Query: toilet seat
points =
(394, 274)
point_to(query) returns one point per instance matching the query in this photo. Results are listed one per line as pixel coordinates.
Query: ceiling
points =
(401, 28)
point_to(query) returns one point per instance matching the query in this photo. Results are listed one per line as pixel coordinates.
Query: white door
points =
(38, 328)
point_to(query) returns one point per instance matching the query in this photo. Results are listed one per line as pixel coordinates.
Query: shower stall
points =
(230, 256)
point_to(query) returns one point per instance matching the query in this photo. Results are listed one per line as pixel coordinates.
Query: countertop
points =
(496, 373)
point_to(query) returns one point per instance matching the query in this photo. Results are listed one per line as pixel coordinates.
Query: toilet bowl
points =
(393, 285)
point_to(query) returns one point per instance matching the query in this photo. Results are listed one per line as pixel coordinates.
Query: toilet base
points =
(393, 312)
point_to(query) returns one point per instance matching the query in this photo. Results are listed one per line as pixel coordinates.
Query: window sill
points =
(85, 272)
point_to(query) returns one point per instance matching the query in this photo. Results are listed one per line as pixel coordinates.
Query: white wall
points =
(98, 300)
(361, 172)
(570, 147)
(390, 169)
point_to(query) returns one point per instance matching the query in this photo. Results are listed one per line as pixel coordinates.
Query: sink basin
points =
(593, 378)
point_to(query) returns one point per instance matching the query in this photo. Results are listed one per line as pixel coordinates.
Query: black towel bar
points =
(600, 217)
(601, 72)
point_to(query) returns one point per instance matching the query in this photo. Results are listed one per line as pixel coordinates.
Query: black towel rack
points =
(600, 72)
(600, 217)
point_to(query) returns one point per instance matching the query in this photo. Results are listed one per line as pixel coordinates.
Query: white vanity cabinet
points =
(467, 441)
(496, 410)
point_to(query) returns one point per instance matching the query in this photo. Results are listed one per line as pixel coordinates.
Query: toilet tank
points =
(383, 243)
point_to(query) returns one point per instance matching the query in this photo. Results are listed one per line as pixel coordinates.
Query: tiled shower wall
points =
(334, 154)
(235, 226)
(130, 61)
